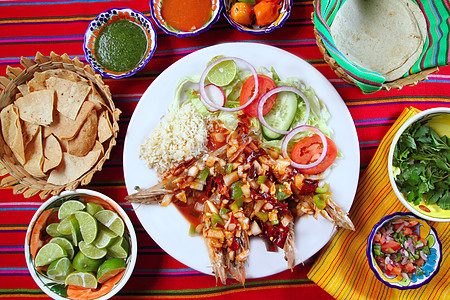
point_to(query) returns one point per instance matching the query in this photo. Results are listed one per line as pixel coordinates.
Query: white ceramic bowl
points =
(432, 215)
(46, 284)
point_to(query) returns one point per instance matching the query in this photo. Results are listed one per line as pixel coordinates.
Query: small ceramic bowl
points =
(285, 11)
(430, 212)
(36, 233)
(430, 268)
(156, 6)
(101, 22)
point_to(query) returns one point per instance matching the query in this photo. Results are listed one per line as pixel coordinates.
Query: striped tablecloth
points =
(30, 26)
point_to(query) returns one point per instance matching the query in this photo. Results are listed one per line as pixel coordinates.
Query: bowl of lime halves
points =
(80, 244)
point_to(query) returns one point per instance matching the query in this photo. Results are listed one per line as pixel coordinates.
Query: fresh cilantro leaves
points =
(424, 160)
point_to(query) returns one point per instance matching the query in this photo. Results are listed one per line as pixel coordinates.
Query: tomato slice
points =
(391, 247)
(265, 84)
(309, 150)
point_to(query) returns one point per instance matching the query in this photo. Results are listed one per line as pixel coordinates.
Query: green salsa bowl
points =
(119, 42)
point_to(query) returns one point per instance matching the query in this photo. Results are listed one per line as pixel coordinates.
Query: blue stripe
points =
(18, 209)
(16, 247)
(52, 2)
(371, 120)
(370, 142)
(13, 269)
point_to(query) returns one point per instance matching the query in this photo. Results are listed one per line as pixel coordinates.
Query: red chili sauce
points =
(186, 15)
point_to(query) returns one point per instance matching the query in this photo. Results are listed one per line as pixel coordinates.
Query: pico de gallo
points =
(399, 250)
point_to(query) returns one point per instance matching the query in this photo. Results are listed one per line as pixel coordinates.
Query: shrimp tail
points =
(289, 247)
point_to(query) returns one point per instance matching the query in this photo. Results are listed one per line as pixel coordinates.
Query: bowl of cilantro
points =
(419, 164)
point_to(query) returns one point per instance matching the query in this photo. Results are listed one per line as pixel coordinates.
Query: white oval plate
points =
(169, 229)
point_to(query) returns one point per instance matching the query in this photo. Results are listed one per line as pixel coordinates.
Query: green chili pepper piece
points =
(228, 168)
(318, 201)
(223, 211)
(377, 249)
(236, 204)
(323, 190)
(203, 174)
(261, 179)
(263, 216)
(280, 194)
(274, 222)
(192, 231)
(216, 219)
(236, 191)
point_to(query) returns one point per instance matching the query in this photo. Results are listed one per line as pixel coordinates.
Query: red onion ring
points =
(205, 98)
(292, 133)
(276, 90)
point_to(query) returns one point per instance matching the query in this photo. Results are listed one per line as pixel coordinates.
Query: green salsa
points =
(120, 46)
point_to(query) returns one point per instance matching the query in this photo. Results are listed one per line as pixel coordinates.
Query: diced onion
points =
(276, 90)
(204, 97)
(292, 133)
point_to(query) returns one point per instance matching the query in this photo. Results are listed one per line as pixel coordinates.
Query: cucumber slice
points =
(281, 115)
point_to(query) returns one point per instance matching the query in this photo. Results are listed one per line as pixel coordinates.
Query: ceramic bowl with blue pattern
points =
(104, 19)
(422, 274)
(284, 13)
(157, 16)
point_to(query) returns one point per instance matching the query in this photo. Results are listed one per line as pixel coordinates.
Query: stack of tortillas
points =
(58, 124)
(384, 36)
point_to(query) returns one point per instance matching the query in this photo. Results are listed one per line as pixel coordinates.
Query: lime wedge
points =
(110, 268)
(52, 230)
(83, 279)
(65, 226)
(91, 251)
(88, 226)
(48, 254)
(83, 263)
(59, 269)
(75, 230)
(105, 237)
(119, 248)
(93, 208)
(66, 244)
(223, 73)
(111, 220)
(69, 207)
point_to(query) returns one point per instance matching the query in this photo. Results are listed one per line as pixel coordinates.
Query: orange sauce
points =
(186, 15)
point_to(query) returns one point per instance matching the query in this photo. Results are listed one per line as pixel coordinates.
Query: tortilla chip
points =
(37, 107)
(86, 137)
(105, 130)
(52, 153)
(73, 167)
(23, 88)
(12, 131)
(29, 131)
(61, 73)
(35, 156)
(96, 98)
(37, 83)
(70, 95)
(64, 128)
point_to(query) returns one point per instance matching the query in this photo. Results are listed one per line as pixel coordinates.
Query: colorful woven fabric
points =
(436, 47)
(59, 25)
(342, 269)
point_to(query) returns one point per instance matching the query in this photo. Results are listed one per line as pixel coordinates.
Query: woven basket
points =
(410, 80)
(23, 182)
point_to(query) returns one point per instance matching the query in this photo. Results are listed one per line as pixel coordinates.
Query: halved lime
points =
(88, 226)
(83, 263)
(52, 230)
(93, 208)
(83, 279)
(59, 269)
(111, 220)
(69, 207)
(105, 237)
(66, 244)
(110, 268)
(48, 254)
(223, 73)
(91, 251)
(119, 248)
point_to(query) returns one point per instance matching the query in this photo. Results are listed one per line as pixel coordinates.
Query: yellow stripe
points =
(342, 268)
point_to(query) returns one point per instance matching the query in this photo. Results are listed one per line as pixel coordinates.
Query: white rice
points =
(179, 137)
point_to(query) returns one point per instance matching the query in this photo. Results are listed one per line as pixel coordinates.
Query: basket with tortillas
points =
(58, 125)
(382, 44)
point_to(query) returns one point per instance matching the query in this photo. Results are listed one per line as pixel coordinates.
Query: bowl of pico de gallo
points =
(404, 251)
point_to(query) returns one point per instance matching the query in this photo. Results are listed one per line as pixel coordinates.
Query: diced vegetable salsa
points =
(399, 250)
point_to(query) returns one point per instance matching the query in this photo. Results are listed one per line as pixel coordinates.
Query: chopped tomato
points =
(410, 268)
(377, 237)
(265, 84)
(391, 247)
(396, 271)
(412, 223)
(424, 241)
(309, 150)
(420, 262)
(407, 231)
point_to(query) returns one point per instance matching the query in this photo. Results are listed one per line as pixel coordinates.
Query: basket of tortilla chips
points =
(382, 44)
(58, 125)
